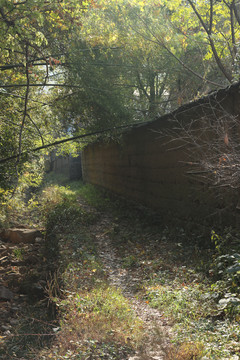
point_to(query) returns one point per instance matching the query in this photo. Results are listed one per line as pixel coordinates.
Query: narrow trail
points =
(157, 338)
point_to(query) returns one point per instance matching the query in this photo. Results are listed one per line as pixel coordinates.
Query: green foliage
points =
(192, 307)
(125, 60)
(120, 70)
(100, 316)
(99, 103)
(129, 261)
(16, 202)
(147, 58)
(228, 267)
(30, 34)
(19, 253)
(95, 318)
(226, 272)
(94, 196)
(207, 308)
(61, 212)
(64, 214)
(213, 24)
(172, 269)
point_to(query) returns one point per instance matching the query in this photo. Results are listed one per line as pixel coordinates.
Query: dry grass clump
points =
(185, 351)
(103, 315)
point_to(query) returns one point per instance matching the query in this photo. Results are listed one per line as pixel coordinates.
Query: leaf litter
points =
(157, 329)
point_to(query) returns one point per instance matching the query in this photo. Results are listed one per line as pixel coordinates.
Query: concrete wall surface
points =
(66, 165)
(150, 168)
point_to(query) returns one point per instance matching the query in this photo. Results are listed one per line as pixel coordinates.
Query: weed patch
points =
(102, 315)
(197, 315)
(95, 319)
(195, 287)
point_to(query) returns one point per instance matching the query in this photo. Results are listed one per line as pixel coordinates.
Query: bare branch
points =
(211, 143)
(233, 32)
(141, 86)
(5, 19)
(37, 85)
(25, 105)
(38, 130)
(14, 66)
(237, 16)
(208, 31)
(161, 43)
(22, 97)
(211, 17)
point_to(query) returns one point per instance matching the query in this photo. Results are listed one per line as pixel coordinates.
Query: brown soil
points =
(23, 300)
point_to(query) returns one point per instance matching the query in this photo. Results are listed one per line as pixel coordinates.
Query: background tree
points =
(33, 38)
(111, 63)
(161, 54)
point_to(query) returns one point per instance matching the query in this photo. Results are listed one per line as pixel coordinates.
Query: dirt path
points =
(157, 331)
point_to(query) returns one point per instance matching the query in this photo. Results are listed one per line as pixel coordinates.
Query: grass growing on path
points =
(193, 284)
(178, 274)
(95, 319)
(193, 279)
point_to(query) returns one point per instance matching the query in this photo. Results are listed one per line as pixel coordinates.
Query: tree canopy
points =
(68, 67)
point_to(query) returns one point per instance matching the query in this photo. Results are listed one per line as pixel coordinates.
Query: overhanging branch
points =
(38, 85)
(13, 157)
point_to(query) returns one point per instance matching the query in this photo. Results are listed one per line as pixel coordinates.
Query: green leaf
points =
(233, 269)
